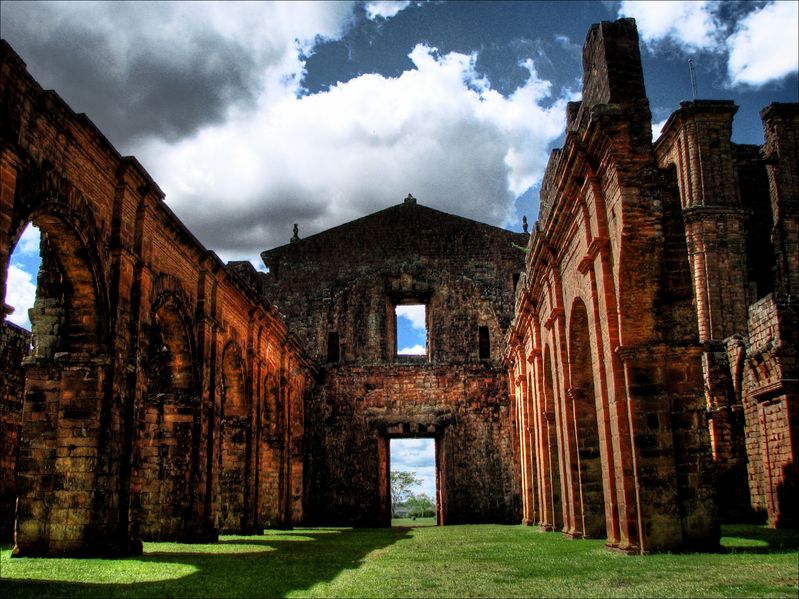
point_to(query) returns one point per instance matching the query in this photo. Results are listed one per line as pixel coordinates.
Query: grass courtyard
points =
(423, 561)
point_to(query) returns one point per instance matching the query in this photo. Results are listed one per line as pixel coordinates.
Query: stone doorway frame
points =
(403, 431)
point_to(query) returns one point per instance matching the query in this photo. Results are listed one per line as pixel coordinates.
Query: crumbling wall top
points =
(612, 71)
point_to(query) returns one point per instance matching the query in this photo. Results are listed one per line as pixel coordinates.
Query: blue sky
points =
(419, 456)
(411, 330)
(254, 116)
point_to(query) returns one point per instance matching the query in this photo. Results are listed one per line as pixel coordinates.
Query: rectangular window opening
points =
(411, 330)
(484, 343)
(332, 347)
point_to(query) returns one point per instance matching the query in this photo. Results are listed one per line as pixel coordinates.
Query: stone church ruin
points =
(627, 371)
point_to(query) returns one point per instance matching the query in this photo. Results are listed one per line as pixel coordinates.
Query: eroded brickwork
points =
(146, 389)
(629, 377)
(633, 358)
(769, 374)
(342, 287)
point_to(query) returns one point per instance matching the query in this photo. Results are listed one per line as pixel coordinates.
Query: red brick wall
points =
(465, 409)
(667, 245)
(124, 434)
(347, 281)
(770, 394)
(604, 330)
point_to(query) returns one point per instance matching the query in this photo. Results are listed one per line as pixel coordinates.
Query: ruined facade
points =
(157, 376)
(653, 349)
(626, 372)
(339, 290)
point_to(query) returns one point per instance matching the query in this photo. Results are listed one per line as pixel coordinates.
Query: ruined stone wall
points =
(146, 387)
(348, 281)
(769, 374)
(14, 346)
(696, 144)
(766, 372)
(666, 246)
(740, 207)
(310, 279)
(603, 351)
(465, 409)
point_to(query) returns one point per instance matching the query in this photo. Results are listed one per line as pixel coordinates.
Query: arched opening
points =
(587, 464)
(15, 345)
(67, 434)
(272, 452)
(169, 421)
(232, 513)
(552, 508)
(66, 317)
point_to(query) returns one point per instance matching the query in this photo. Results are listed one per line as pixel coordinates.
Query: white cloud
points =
(413, 313)
(29, 241)
(416, 350)
(438, 131)
(690, 24)
(385, 8)
(657, 128)
(209, 97)
(764, 45)
(416, 455)
(20, 295)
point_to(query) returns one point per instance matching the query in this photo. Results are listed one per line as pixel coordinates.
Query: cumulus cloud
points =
(168, 68)
(415, 350)
(385, 9)
(416, 455)
(689, 24)
(20, 295)
(210, 98)
(764, 46)
(657, 128)
(29, 241)
(22, 271)
(414, 313)
(438, 131)
(758, 43)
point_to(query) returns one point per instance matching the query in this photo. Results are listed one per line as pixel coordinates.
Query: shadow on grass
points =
(753, 538)
(268, 566)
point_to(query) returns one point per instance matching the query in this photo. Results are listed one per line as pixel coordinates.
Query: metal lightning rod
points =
(693, 77)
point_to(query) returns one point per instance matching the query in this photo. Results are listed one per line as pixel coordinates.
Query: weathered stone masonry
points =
(632, 376)
(157, 375)
(341, 287)
(645, 394)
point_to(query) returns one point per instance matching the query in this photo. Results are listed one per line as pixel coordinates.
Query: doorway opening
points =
(413, 481)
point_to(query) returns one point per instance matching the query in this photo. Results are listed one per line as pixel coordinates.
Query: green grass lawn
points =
(426, 561)
(412, 522)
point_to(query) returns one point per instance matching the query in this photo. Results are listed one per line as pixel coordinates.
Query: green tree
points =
(420, 506)
(401, 484)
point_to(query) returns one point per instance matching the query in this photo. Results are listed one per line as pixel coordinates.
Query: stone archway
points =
(552, 505)
(66, 486)
(168, 445)
(271, 469)
(587, 462)
(235, 434)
